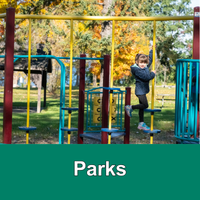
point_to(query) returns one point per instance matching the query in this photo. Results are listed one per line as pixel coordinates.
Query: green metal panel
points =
(186, 109)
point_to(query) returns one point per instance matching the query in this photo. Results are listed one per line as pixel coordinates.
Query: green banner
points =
(99, 172)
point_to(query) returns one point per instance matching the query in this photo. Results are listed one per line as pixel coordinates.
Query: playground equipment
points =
(81, 133)
(31, 128)
(101, 134)
(62, 127)
(107, 91)
(187, 104)
(94, 118)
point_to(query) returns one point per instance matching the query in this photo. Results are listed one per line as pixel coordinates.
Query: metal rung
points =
(24, 128)
(109, 130)
(109, 88)
(69, 108)
(153, 131)
(69, 129)
(152, 110)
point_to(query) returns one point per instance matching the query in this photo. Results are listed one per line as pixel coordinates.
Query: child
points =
(143, 76)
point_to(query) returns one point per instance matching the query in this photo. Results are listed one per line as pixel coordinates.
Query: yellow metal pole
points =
(27, 137)
(111, 74)
(68, 138)
(111, 78)
(151, 139)
(153, 81)
(112, 58)
(109, 139)
(29, 74)
(101, 18)
(3, 15)
(70, 76)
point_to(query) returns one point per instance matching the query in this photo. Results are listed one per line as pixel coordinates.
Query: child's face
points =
(142, 65)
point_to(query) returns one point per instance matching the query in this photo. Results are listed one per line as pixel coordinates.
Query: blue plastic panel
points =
(69, 129)
(152, 110)
(109, 130)
(24, 128)
(153, 131)
(69, 108)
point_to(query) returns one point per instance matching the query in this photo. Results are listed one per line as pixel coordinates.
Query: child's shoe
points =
(129, 110)
(143, 126)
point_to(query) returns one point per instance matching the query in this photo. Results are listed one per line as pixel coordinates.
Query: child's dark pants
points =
(143, 105)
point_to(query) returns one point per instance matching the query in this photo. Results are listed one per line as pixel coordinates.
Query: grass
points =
(47, 122)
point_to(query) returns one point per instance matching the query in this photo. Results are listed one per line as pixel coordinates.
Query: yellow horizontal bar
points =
(3, 15)
(106, 18)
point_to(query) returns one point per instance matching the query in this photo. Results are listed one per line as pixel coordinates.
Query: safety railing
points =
(118, 120)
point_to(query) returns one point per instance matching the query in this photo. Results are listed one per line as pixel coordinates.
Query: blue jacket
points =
(142, 77)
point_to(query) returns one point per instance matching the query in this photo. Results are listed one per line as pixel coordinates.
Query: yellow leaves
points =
(4, 4)
(51, 33)
(97, 35)
(81, 27)
(1, 30)
(67, 64)
(96, 68)
(100, 7)
(125, 55)
(98, 54)
(24, 23)
(43, 11)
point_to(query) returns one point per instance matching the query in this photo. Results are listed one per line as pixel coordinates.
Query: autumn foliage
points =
(55, 33)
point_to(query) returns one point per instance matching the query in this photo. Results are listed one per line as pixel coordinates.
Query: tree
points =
(130, 37)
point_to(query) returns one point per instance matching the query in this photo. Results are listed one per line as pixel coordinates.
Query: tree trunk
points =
(77, 78)
(101, 79)
(15, 79)
(52, 83)
(94, 80)
(106, 29)
(107, 25)
(165, 70)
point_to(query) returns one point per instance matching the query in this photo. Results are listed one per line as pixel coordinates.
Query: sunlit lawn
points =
(47, 122)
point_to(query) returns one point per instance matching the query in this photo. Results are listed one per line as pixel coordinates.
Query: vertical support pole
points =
(196, 49)
(8, 84)
(39, 93)
(29, 82)
(62, 98)
(44, 77)
(127, 118)
(151, 138)
(153, 68)
(81, 99)
(104, 138)
(153, 81)
(70, 73)
(111, 71)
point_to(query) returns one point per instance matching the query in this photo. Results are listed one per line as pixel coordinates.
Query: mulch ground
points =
(135, 138)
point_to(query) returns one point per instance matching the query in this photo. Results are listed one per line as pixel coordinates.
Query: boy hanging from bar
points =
(142, 76)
